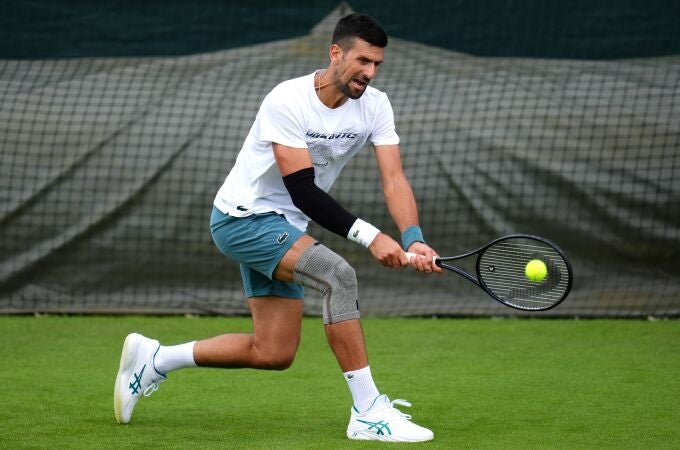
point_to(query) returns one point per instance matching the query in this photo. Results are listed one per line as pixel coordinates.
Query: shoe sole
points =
(131, 341)
(359, 436)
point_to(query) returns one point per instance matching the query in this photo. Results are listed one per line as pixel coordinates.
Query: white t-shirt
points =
(293, 115)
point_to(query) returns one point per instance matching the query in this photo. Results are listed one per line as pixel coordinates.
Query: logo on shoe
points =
(136, 385)
(378, 427)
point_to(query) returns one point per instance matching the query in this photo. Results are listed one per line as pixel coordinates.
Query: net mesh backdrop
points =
(109, 167)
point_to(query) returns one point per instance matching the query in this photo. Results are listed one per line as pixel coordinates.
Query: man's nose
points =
(370, 71)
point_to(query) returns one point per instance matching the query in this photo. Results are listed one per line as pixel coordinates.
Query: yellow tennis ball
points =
(536, 270)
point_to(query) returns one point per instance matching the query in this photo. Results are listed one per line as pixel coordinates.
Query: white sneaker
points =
(137, 375)
(384, 422)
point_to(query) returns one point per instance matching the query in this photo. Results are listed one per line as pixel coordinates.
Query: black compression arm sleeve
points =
(317, 204)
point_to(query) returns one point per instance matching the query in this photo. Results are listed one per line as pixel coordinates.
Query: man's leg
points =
(373, 416)
(272, 345)
(319, 268)
(346, 338)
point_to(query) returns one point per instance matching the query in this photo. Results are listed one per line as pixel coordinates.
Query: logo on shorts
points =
(283, 237)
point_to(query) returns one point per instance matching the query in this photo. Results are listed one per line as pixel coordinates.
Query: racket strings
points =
(501, 269)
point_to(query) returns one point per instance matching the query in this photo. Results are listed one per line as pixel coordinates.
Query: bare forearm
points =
(401, 202)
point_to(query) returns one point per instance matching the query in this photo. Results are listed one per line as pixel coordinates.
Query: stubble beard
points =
(347, 90)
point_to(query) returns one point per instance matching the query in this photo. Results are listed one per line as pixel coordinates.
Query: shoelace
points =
(402, 402)
(153, 387)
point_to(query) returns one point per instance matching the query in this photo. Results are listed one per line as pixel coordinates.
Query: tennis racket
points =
(500, 269)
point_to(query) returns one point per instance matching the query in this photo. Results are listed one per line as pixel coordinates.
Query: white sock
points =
(362, 387)
(173, 357)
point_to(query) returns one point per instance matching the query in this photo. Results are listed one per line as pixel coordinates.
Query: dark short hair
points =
(360, 26)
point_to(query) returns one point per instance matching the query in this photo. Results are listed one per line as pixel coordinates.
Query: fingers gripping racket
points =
(521, 271)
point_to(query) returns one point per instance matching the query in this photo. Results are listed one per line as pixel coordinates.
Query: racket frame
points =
(479, 281)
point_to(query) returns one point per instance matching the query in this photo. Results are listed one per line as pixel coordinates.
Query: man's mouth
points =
(359, 83)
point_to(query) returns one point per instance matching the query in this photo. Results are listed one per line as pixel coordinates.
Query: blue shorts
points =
(258, 242)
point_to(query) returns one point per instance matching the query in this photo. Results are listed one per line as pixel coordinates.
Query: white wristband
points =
(362, 232)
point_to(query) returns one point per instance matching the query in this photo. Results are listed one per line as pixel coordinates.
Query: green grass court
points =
(477, 383)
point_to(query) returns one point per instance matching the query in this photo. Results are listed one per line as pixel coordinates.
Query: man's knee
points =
(321, 269)
(346, 276)
(278, 362)
(275, 357)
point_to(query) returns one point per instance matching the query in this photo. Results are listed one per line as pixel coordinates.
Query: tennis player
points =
(305, 132)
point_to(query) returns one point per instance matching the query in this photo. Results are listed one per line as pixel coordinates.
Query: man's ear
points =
(335, 53)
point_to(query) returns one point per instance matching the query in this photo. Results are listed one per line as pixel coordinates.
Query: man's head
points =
(359, 26)
(357, 49)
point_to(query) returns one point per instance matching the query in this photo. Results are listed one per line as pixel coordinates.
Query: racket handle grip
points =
(411, 255)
